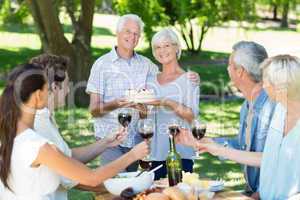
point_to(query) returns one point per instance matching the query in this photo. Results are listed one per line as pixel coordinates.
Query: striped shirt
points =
(110, 77)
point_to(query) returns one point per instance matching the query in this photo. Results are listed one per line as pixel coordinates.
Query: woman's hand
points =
(256, 196)
(194, 77)
(117, 138)
(140, 151)
(208, 145)
(185, 137)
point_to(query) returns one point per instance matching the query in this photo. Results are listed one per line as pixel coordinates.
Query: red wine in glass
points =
(174, 130)
(145, 164)
(146, 135)
(198, 132)
(124, 119)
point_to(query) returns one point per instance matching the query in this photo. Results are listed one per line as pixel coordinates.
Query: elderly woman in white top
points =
(178, 99)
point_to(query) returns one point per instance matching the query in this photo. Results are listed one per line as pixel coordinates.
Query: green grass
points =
(76, 127)
(30, 28)
(10, 57)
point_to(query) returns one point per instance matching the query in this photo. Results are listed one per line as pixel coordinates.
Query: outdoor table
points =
(226, 194)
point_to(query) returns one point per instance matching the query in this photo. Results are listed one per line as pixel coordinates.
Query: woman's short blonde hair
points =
(166, 34)
(283, 71)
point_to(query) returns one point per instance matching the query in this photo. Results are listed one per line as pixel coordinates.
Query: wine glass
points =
(174, 127)
(198, 131)
(146, 130)
(125, 116)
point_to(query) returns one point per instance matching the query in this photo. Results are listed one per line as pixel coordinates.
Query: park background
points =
(85, 30)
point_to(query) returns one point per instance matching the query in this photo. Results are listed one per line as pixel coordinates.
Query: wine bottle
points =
(173, 162)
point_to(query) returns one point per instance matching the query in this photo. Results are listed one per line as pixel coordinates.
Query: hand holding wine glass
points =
(146, 130)
(198, 131)
(140, 150)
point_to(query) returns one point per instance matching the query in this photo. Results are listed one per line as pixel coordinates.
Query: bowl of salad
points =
(125, 180)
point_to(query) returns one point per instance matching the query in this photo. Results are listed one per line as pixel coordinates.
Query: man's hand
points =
(122, 103)
(194, 77)
(115, 139)
(142, 108)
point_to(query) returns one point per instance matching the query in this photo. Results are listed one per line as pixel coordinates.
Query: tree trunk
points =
(275, 12)
(182, 30)
(191, 35)
(285, 13)
(204, 30)
(53, 41)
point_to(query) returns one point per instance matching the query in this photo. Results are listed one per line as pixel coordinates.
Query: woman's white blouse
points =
(27, 182)
(46, 127)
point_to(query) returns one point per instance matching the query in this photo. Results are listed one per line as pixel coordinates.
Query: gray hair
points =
(250, 55)
(123, 19)
(283, 71)
(166, 34)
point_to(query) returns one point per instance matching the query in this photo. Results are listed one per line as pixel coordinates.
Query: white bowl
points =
(116, 185)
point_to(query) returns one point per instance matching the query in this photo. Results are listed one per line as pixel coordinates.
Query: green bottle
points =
(173, 162)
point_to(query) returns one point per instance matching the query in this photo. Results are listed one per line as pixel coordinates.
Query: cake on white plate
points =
(140, 96)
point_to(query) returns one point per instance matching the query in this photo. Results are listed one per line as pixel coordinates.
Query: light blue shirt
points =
(280, 167)
(110, 77)
(183, 91)
(263, 109)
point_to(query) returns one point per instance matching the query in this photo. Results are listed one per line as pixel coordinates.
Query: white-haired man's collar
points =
(116, 56)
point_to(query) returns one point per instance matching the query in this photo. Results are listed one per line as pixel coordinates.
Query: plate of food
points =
(193, 180)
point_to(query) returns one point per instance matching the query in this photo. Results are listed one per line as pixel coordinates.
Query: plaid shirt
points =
(110, 77)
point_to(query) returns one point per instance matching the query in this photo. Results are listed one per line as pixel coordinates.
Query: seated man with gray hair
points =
(257, 109)
(255, 115)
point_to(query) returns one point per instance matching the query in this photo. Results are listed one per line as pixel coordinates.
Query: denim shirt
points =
(263, 109)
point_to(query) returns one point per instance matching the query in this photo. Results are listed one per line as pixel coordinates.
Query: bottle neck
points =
(172, 144)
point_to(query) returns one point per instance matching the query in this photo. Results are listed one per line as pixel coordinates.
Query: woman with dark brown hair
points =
(30, 165)
(44, 123)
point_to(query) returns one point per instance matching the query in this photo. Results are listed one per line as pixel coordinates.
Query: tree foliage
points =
(13, 12)
(282, 8)
(193, 18)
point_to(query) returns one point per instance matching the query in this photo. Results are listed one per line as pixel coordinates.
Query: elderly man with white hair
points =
(255, 115)
(111, 75)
